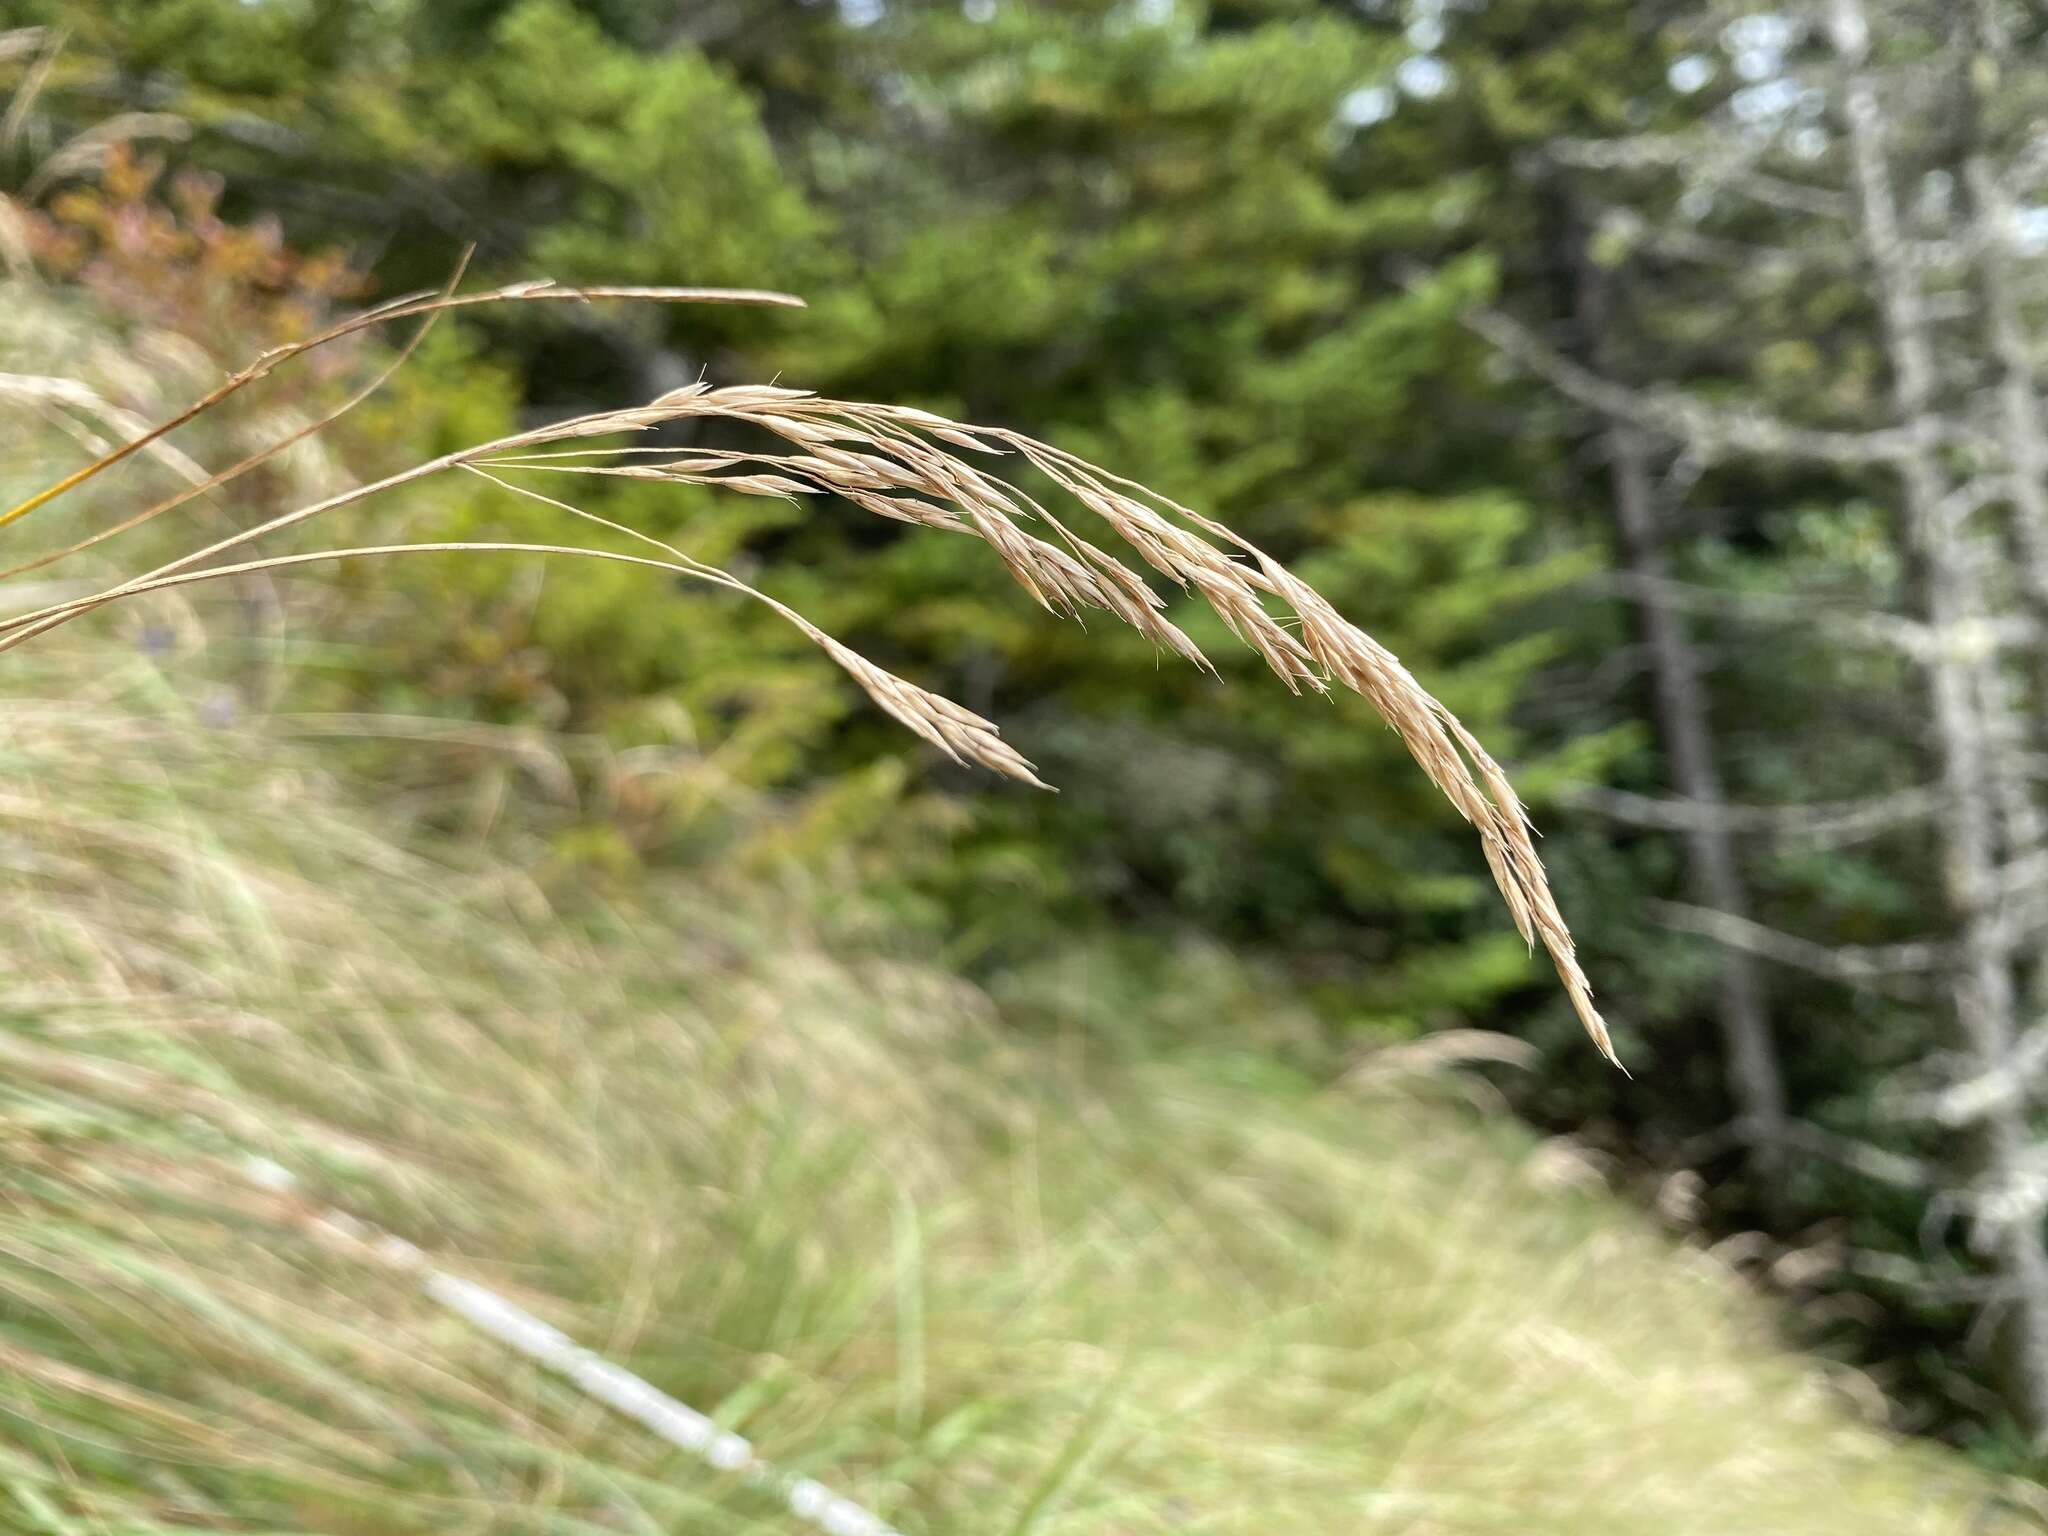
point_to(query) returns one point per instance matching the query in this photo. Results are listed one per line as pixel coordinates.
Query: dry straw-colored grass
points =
(909, 466)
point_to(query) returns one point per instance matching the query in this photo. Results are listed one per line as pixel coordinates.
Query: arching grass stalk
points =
(914, 467)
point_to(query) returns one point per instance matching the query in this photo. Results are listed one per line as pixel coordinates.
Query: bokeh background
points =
(1198, 1149)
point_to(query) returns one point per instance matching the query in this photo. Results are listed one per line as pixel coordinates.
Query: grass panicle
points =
(914, 467)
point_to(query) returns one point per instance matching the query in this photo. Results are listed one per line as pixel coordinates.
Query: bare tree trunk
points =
(1937, 555)
(1980, 45)
(1749, 1052)
(2021, 440)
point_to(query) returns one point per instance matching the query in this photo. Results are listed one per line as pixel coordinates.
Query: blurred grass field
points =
(980, 1279)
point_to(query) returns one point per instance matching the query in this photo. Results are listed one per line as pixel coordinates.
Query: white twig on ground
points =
(617, 1388)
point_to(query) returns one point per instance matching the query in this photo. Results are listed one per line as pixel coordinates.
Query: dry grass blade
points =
(915, 467)
(17, 42)
(961, 734)
(12, 44)
(88, 149)
(398, 309)
(204, 484)
(65, 401)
